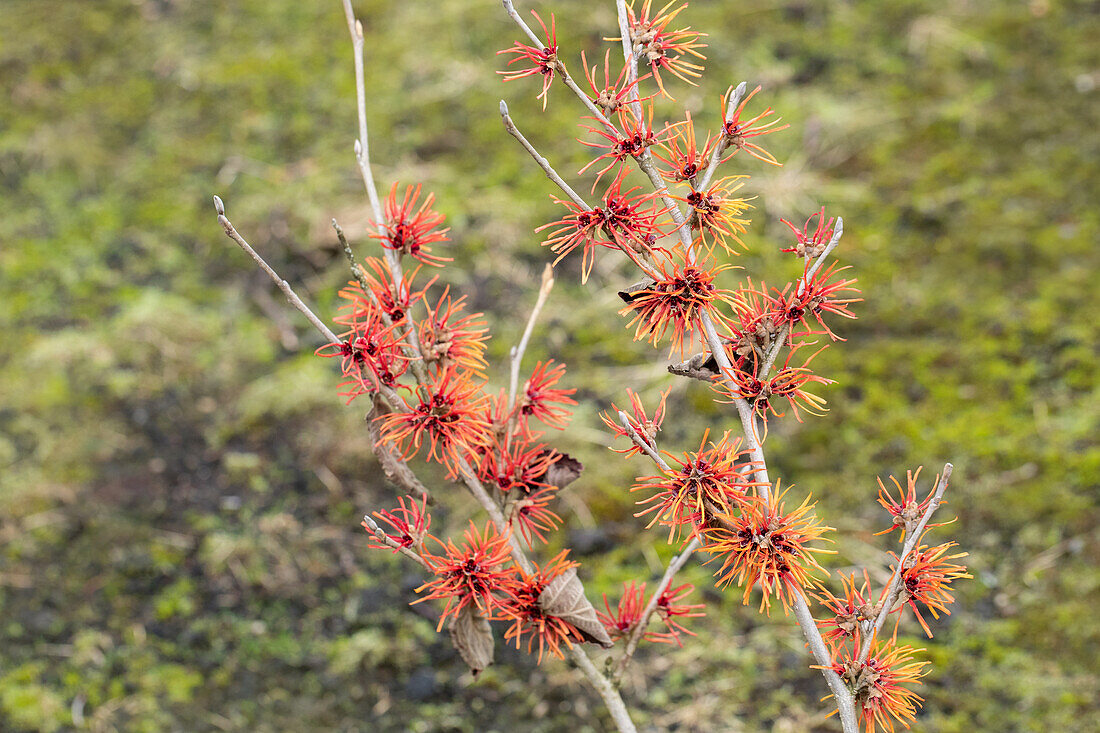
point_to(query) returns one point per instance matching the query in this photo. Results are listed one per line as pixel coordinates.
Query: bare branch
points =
(516, 352)
(362, 145)
(356, 268)
(511, 10)
(912, 540)
(231, 232)
(552, 174)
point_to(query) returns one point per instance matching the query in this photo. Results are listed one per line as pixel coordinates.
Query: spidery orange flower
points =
(758, 324)
(448, 338)
(850, 613)
(817, 296)
(527, 616)
(646, 427)
(448, 414)
(543, 60)
(676, 300)
(634, 139)
(533, 515)
(477, 574)
(767, 547)
(661, 48)
(926, 579)
(670, 609)
(716, 213)
(608, 96)
(410, 523)
(517, 466)
(680, 152)
(394, 301)
(411, 230)
(543, 401)
(705, 484)
(738, 132)
(906, 511)
(880, 685)
(811, 244)
(789, 382)
(370, 350)
(625, 221)
(621, 622)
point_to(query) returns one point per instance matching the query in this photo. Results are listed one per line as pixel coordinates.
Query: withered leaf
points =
(564, 471)
(564, 597)
(629, 294)
(472, 636)
(395, 469)
(702, 366)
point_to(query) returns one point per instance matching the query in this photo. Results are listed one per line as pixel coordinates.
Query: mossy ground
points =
(181, 486)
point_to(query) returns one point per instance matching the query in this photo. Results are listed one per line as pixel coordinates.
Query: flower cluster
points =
(767, 547)
(880, 685)
(879, 672)
(700, 488)
(676, 299)
(410, 524)
(421, 359)
(411, 230)
(663, 49)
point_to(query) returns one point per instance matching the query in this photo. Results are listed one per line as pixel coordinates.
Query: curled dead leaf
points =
(630, 293)
(564, 597)
(563, 471)
(472, 636)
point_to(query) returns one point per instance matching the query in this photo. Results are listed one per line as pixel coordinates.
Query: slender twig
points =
(362, 156)
(552, 174)
(385, 540)
(642, 443)
(362, 145)
(231, 232)
(773, 352)
(638, 632)
(510, 126)
(517, 351)
(912, 540)
(356, 268)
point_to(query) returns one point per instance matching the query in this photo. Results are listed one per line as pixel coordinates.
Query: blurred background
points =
(181, 486)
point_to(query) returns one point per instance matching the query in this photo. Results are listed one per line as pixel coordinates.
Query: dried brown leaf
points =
(564, 597)
(564, 471)
(472, 636)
